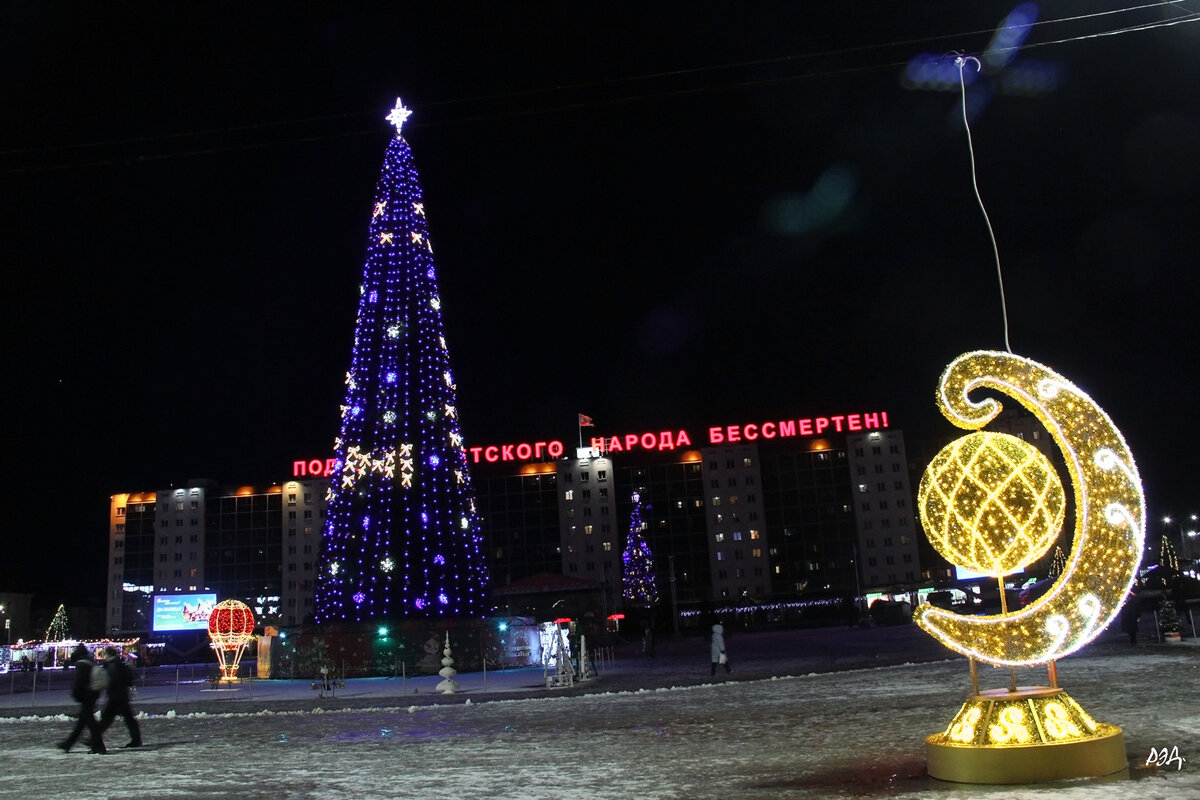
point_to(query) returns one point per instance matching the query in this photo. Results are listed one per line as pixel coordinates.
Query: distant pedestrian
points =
(647, 640)
(83, 691)
(120, 683)
(1129, 618)
(718, 649)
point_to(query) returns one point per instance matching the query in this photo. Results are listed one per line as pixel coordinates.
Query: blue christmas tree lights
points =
(401, 534)
(638, 574)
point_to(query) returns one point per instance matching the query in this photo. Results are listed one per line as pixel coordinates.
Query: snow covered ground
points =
(646, 730)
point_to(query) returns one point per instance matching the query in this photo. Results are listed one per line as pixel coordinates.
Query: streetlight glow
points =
(1185, 546)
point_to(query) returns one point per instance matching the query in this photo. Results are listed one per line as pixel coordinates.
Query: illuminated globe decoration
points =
(231, 628)
(402, 535)
(992, 503)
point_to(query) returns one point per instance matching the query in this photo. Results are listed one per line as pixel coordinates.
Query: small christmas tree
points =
(1167, 555)
(1058, 563)
(1168, 618)
(59, 629)
(638, 576)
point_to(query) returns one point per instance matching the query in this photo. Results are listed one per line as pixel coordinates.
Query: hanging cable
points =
(961, 62)
(557, 107)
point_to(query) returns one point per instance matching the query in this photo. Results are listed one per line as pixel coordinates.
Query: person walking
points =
(718, 649)
(120, 683)
(1130, 614)
(84, 691)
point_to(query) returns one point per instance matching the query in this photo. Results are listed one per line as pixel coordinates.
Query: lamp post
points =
(674, 597)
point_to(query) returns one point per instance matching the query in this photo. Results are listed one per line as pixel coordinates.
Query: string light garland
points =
(1110, 514)
(402, 537)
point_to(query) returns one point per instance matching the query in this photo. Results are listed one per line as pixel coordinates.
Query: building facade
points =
(744, 522)
(736, 522)
(885, 511)
(257, 545)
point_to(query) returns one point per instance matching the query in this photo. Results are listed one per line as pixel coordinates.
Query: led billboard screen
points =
(183, 612)
(964, 574)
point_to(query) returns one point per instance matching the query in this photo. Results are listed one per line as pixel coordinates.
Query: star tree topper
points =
(398, 115)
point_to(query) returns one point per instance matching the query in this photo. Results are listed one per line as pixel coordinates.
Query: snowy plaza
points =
(805, 714)
(779, 290)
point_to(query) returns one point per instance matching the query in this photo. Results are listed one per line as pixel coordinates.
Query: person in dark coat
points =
(82, 691)
(1129, 617)
(718, 649)
(120, 682)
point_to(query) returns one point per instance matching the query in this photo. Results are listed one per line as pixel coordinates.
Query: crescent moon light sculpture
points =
(1109, 509)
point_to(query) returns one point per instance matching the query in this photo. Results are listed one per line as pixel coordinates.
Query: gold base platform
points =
(1033, 735)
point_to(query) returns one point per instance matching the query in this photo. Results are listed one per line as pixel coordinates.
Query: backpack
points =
(98, 680)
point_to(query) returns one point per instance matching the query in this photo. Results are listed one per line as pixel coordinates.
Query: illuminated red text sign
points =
(515, 452)
(663, 440)
(316, 467)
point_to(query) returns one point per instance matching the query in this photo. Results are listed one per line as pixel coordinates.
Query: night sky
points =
(664, 215)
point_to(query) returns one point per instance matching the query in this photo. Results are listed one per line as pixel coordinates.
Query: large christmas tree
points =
(638, 576)
(401, 536)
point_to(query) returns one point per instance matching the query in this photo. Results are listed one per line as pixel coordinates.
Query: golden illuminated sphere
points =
(991, 503)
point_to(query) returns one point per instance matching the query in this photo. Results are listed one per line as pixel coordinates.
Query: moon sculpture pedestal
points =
(1033, 735)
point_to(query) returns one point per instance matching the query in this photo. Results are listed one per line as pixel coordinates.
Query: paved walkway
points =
(677, 662)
